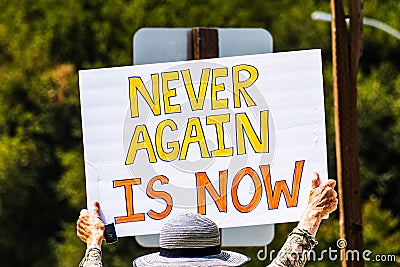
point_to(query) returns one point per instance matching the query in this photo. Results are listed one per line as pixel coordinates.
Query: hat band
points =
(190, 252)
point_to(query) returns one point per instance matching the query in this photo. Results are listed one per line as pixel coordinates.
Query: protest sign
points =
(236, 139)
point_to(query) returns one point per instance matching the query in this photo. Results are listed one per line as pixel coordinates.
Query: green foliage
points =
(69, 186)
(42, 45)
(378, 101)
(381, 233)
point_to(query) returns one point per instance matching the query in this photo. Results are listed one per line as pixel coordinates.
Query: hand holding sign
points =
(322, 201)
(89, 227)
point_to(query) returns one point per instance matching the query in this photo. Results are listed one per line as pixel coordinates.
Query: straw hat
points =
(191, 240)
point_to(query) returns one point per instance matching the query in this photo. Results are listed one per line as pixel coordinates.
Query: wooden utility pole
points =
(346, 51)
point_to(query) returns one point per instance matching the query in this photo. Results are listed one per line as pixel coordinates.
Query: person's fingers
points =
(328, 192)
(316, 181)
(326, 202)
(96, 209)
(335, 195)
(331, 183)
(329, 195)
(84, 221)
(82, 232)
(83, 213)
(332, 206)
(84, 217)
(84, 224)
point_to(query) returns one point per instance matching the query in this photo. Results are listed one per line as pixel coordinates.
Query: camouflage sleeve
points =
(92, 258)
(295, 251)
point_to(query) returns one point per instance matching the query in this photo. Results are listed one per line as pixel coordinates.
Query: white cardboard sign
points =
(236, 139)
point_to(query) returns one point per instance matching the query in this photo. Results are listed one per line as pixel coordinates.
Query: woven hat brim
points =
(225, 258)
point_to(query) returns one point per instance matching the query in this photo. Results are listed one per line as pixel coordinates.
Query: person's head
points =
(191, 240)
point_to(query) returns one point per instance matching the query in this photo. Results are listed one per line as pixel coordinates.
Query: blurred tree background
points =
(43, 44)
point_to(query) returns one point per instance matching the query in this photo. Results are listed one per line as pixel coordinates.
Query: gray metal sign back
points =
(157, 45)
